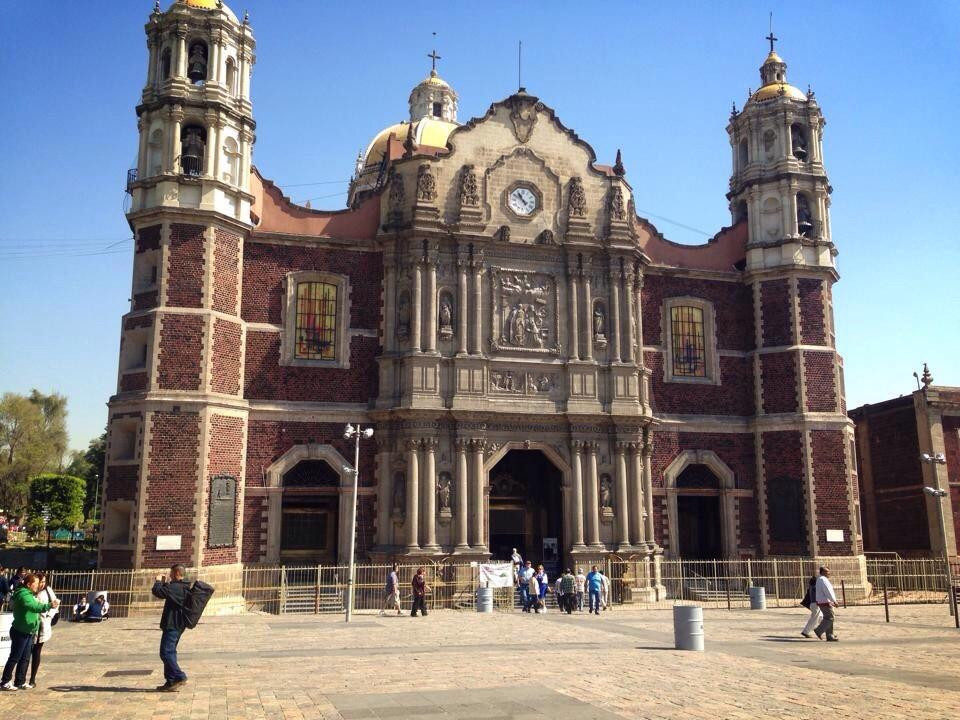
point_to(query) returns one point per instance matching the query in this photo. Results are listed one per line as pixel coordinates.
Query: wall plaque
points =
(223, 511)
(168, 542)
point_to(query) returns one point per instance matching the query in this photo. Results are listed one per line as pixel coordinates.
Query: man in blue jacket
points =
(595, 586)
(172, 625)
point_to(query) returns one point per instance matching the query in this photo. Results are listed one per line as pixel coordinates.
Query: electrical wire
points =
(644, 213)
(319, 182)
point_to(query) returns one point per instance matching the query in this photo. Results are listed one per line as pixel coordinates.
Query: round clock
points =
(522, 201)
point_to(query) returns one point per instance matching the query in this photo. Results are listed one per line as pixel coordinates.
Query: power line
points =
(59, 254)
(322, 197)
(644, 213)
(90, 241)
(319, 182)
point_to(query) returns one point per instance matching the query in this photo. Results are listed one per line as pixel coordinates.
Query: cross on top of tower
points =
(433, 57)
(772, 40)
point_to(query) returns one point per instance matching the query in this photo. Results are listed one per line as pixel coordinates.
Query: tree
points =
(60, 495)
(90, 466)
(33, 440)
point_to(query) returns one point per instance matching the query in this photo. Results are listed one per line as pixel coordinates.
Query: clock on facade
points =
(522, 201)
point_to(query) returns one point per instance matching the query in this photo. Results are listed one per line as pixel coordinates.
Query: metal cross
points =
(770, 37)
(434, 57)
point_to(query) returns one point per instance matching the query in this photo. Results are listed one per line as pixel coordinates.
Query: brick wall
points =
(778, 373)
(145, 300)
(123, 482)
(225, 373)
(776, 313)
(132, 382)
(254, 512)
(181, 347)
(116, 559)
(735, 449)
(748, 516)
(265, 378)
(226, 270)
(185, 267)
(732, 303)
(148, 238)
(894, 449)
(171, 486)
(831, 490)
(783, 457)
(951, 443)
(144, 321)
(902, 522)
(224, 457)
(819, 376)
(733, 396)
(810, 298)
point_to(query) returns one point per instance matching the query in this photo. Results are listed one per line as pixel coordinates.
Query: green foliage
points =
(33, 440)
(90, 466)
(61, 495)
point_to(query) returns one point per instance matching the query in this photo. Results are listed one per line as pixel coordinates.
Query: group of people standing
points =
(569, 589)
(34, 606)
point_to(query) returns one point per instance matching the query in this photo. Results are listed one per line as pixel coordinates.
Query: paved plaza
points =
(506, 665)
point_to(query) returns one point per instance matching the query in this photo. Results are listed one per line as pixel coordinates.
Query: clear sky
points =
(655, 79)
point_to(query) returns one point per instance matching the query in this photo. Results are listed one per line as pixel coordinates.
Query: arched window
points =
(804, 216)
(231, 76)
(437, 109)
(164, 65)
(744, 156)
(785, 503)
(155, 153)
(316, 322)
(688, 343)
(232, 156)
(193, 144)
(197, 62)
(798, 141)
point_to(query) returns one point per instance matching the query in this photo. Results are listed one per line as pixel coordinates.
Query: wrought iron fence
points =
(635, 581)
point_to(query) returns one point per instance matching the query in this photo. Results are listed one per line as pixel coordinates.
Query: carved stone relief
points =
(426, 184)
(469, 195)
(518, 382)
(524, 311)
(523, 115)
(617, 211)
(577, 202)
(396, 189)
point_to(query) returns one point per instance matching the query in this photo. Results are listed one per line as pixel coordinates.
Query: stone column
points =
(218, 152)
(181, 52)
(638, 297)
(593, 505)
(430, 341)
(389, 304)
(143, 126)
(576, 503)
(416, 313)
(631, 321)
(245, 75)
(460, 531)
(384, 498)
(413, 498)
(623, 512)
(588, 313)
(478, 539)
(176, 118)
(462, 306)
(211, 151)
(648, 491)
(573, 288)
(636, 496)
(152, 43)
(477, 306)
(429, 485)
(615, 279)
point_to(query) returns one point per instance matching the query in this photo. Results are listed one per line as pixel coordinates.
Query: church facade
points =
(542, 368)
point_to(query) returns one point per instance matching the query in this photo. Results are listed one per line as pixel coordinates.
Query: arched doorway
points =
(526, 508)
(699, 531)
(309, 513)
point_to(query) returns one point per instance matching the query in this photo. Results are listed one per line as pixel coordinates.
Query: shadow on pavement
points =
(784, 638)
(99, 688)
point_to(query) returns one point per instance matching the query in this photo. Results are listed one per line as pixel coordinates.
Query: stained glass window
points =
(689, 354)
(316, 321)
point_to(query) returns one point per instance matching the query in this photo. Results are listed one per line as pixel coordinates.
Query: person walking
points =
(567, 596)
(605, 591)
(523, 581)
(420, 590)
(594, 583)
(533, 593)
(173, 592)
(45, 594)
(827, 601)
(810, 603)
(543, 583)
(18, 578)
(26, 620)
(581, 581)
(392, 599)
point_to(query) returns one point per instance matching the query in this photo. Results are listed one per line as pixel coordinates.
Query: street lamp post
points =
(355, 433)
(938, 493)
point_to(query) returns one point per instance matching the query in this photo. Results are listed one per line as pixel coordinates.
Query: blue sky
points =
(655, 79)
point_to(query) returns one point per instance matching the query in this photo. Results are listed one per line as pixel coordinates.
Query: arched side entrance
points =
(700, 507)
(526, 507)
(308, 506)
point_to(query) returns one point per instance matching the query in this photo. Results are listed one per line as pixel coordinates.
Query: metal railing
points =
(636, 582)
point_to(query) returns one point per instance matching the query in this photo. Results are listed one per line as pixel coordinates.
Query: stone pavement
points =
(506, 665)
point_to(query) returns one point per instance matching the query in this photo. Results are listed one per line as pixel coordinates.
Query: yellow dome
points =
(210, 5)
(428, 131)
(773, 90)
(773, 57)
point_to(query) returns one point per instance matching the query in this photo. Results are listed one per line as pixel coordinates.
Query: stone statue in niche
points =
(617, 211)
(504, 233)
(399, 500)
(799, 143)
(469, 195)
(577, 202)
(606, 492)
(426, 184)
(546, 238)
(445, 317)
(403, 315)
(444, 492)
(599, 323)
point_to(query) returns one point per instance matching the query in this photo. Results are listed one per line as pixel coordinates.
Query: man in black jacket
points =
(172, 625)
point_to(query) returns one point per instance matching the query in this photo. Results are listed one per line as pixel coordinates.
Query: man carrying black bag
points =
(182, 607)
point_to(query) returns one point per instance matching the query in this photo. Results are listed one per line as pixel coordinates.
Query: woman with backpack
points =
(810, 602)
(47, 620)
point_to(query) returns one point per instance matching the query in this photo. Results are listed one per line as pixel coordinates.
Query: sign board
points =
(223, 511)
(496, 575)
(834, 535)
(168, 542)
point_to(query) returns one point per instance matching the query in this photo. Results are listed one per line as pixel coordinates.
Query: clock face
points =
(522, 201)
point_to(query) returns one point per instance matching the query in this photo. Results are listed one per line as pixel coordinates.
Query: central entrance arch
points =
(526, 508)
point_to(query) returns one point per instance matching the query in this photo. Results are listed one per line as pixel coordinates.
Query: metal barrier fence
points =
(318, 589)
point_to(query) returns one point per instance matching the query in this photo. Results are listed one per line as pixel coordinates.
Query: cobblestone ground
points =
(506, 665)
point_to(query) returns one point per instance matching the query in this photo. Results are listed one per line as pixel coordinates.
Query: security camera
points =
(934, 492)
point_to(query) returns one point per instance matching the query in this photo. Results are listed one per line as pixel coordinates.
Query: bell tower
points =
(803, 438)
(177, 423)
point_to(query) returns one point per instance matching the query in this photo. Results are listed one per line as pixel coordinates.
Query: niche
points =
(445, 311)
(798, 141)
(197, 62)
(193, 149)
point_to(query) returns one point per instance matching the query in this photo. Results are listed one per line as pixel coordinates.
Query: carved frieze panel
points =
(523, 312)
(519, 382)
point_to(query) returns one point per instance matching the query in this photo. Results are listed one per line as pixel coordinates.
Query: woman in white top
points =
(45, 630)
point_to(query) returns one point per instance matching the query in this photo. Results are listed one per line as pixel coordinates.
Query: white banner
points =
(496, 575)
